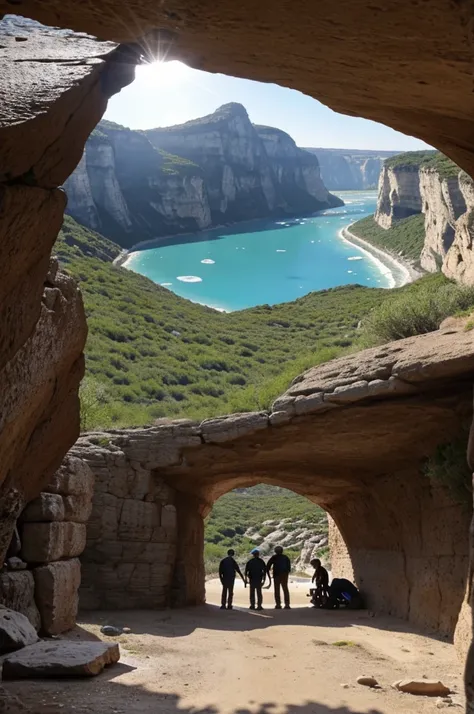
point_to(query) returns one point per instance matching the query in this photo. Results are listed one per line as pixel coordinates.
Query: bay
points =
(264, 261)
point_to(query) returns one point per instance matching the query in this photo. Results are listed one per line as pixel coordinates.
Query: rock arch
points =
(350, 435)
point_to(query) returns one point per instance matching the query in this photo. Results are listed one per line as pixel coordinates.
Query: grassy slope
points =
(235, 512)
(405, 238)
(151, 353)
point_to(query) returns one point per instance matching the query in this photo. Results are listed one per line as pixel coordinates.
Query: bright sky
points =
(172, 93)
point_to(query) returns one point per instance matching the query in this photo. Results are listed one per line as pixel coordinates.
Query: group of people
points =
(255, 575)
(323, 595)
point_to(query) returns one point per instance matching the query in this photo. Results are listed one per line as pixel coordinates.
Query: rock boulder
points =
(60, 659)
(16, 631)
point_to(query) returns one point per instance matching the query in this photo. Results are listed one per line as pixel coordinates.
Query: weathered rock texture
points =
(60, 659)
(352, 435)
(350, 169)
(447, 202)
(134, 185)
(53, 533)
(55, 89)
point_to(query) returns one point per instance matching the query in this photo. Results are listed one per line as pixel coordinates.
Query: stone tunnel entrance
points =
(353, 436)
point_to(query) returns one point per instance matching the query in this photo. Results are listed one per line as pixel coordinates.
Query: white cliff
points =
(398, 195)
(139, 185)
(428, 183)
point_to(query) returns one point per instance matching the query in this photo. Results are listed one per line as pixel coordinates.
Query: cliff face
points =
(130, 191)
(426, 182)
(399, 195)
(133, 185)
(350, 169)
(250, 171)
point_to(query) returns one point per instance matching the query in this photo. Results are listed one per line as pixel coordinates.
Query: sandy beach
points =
(399, 271)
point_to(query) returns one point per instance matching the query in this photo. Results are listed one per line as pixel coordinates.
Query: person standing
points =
(321, 580)
(281, 566)
(256, 573)
(228, 567)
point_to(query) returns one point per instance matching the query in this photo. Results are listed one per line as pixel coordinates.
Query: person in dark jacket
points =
(320, 578)
(343, 592)
(228, 567)
(281, 566)
(255, 574)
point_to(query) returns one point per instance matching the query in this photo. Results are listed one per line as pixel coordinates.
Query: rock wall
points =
(399, 195)
(129, 191)
(250, 171)
(63, 82)
(350, 169)
(132, 532)
(447, 202)
(133, 186)
(42, 579)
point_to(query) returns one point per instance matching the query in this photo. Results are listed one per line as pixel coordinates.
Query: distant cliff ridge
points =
(350, 169)
(138, 185)
(428, 183)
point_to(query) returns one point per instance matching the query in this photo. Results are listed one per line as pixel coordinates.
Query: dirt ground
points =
(208, 661)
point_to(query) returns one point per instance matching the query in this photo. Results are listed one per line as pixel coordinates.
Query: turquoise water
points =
(265, 261)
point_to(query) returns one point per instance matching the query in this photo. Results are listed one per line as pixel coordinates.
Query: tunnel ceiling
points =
(408, 64)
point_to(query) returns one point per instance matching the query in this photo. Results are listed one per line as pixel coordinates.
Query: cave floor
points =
(207, 661)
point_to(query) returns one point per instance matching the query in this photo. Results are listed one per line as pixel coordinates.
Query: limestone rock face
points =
(221, 168)
(447, 203)
(459, 261)
(443, 203)
(56, 592)
(398, 195)
(129, 190)
(62, 82)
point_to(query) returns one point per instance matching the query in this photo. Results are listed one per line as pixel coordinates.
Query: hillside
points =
(153, 354)
(140, 185)
(263, 517)
(406, 238)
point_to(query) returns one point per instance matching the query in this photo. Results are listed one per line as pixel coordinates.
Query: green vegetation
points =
(427, 159)
(152, 354)
(406, 238)
(248, 508)
(415, 312)
(448, 467)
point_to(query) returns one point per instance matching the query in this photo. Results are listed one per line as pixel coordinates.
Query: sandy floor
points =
(207, 661)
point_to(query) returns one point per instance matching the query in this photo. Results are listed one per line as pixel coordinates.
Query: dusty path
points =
(207, 661)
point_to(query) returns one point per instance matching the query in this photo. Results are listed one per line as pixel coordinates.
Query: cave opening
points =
(52, 398)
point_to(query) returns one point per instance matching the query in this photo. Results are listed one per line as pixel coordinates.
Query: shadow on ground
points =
(166, 623)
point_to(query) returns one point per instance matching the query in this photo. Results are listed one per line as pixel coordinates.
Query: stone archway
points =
(350, 435)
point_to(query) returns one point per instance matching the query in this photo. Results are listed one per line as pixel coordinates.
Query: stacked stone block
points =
(130, 555)
(53, 534)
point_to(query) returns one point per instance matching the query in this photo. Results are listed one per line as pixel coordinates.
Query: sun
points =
(164, 74)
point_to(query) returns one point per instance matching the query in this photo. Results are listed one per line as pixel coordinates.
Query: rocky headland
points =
(134, 186)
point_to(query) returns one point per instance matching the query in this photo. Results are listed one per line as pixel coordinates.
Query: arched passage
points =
(355, 446)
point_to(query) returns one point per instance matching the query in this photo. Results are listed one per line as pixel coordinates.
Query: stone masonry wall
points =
(43, 581)
(131, 535)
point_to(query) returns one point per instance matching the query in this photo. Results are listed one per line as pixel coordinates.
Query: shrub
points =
(415, 313)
